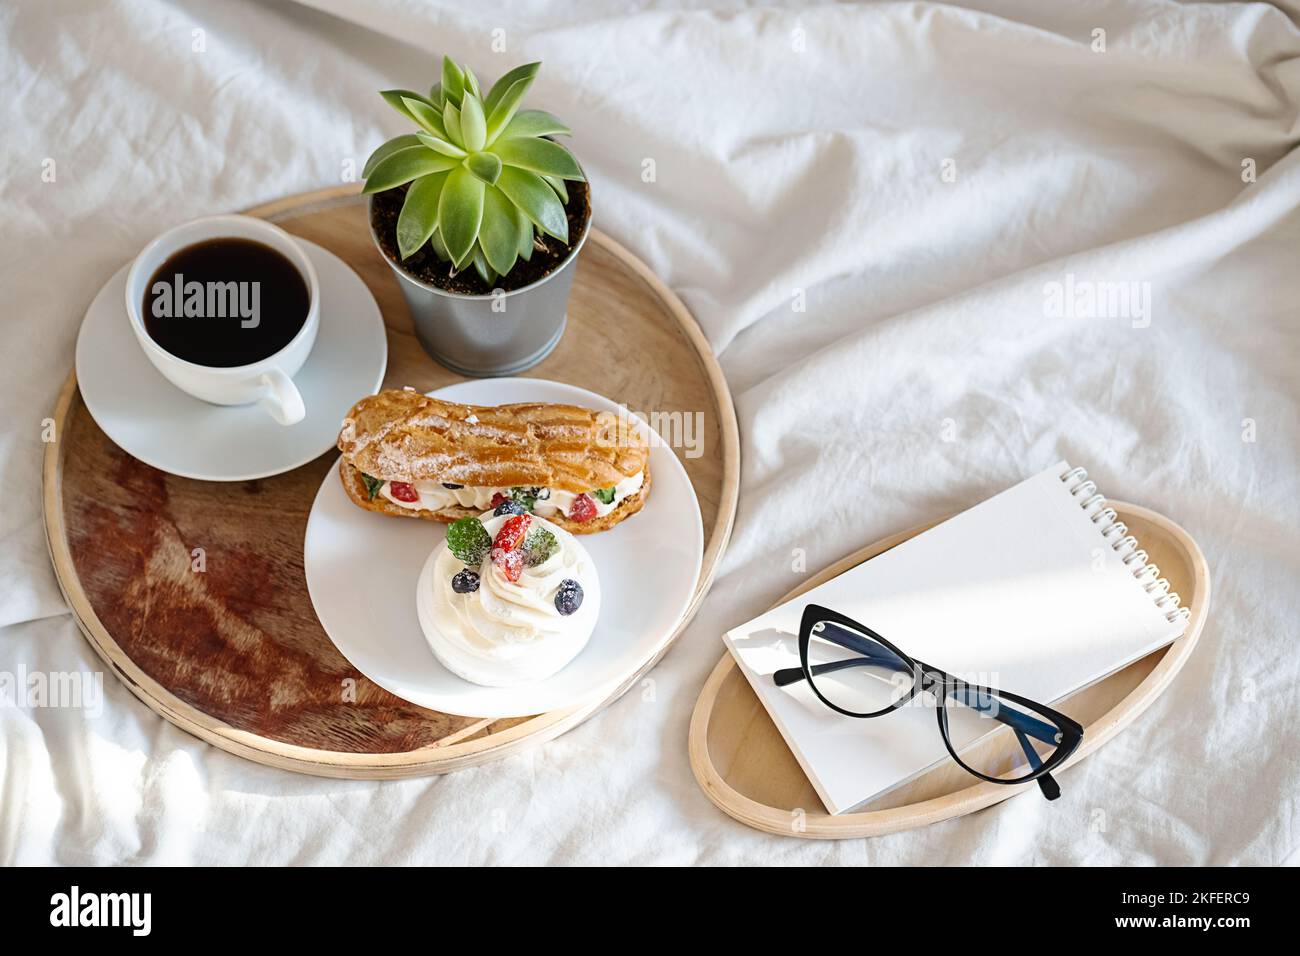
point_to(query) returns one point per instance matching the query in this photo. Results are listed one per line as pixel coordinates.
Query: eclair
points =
(408, 455)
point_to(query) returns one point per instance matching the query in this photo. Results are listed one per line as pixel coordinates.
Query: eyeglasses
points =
(856, 672)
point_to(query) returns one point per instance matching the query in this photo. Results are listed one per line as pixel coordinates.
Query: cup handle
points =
(281, 398)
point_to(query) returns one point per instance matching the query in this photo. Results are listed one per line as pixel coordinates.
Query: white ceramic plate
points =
(362, 570)
(156, 422)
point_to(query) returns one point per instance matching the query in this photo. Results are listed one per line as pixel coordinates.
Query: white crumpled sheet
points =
(799, 159)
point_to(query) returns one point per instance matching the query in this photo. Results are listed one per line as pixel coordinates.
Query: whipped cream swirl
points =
(508, 632)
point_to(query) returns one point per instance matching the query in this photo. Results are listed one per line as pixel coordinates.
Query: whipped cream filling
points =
(508, 632)
(435, 496)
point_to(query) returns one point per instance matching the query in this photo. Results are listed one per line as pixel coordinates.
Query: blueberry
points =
(463, 582)
(569, 597)
(450, 487)
(510, 507)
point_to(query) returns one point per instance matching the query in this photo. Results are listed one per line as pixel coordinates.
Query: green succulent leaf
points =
(534, 123)
(453, 81)
(482, 267)
(451, 123)
(524, 234)
(397, 100)
(561, 190)
(498, 236)
(504, 111)
(403, 165)
(486, 166)
(473, 127)
(539, 156)
(439, 247)
(538, 201)
(440, 145)
(435, 95)
(426, 115)
(419, 216)
(465, 261)
(471, 83)
(387, 149)
(460, 211)
(525, 72)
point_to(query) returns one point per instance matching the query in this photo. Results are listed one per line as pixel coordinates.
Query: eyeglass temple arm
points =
(1046, 783)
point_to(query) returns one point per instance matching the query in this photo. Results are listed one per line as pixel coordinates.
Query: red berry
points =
(510, 536)
(583, 510)
(510, 563)
(497, 498)
(403, 491)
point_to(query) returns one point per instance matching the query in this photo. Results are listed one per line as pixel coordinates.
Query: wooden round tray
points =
(745, 767)
(236, 655)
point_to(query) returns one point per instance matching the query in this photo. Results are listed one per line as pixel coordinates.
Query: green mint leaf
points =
(539, 546)
(469, 541)
(525, 496)
(606, 495)
(372, 485)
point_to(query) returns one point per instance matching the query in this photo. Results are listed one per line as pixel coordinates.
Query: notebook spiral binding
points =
(1115, 533)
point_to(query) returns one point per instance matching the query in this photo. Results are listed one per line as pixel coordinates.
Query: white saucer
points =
(156, 422)
(362, 570)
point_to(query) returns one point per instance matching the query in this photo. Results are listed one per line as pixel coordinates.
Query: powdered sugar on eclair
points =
(405, 436)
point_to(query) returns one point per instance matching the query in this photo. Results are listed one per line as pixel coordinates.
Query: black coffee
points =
(225, 302)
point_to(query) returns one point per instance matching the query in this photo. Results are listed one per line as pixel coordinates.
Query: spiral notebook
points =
(1039, 590)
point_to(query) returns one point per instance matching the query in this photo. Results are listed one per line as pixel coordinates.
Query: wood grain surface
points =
(236, 655)
(743, 764)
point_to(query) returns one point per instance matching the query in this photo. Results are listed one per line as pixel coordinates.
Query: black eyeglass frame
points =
(926, 677)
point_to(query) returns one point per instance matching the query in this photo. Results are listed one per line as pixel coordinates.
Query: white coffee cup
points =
(269, 382)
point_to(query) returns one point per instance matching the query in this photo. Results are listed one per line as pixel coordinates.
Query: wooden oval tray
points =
(236, 655)
(745, 767)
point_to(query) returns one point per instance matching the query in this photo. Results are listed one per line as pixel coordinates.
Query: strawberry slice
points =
(507, 547)
(511, 534)
(583, 509)
(403, 491)
(498, 498)
(509, 563)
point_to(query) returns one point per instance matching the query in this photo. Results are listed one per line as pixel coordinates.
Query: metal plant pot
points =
(495, 334)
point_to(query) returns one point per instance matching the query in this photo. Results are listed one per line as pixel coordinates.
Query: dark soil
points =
(427, 267)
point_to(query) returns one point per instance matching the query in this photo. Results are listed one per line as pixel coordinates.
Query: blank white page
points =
(1021, 592)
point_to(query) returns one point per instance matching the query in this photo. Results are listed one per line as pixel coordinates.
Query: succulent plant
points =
(485, 178)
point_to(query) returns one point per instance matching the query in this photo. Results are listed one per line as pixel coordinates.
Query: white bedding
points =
(880, 313)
